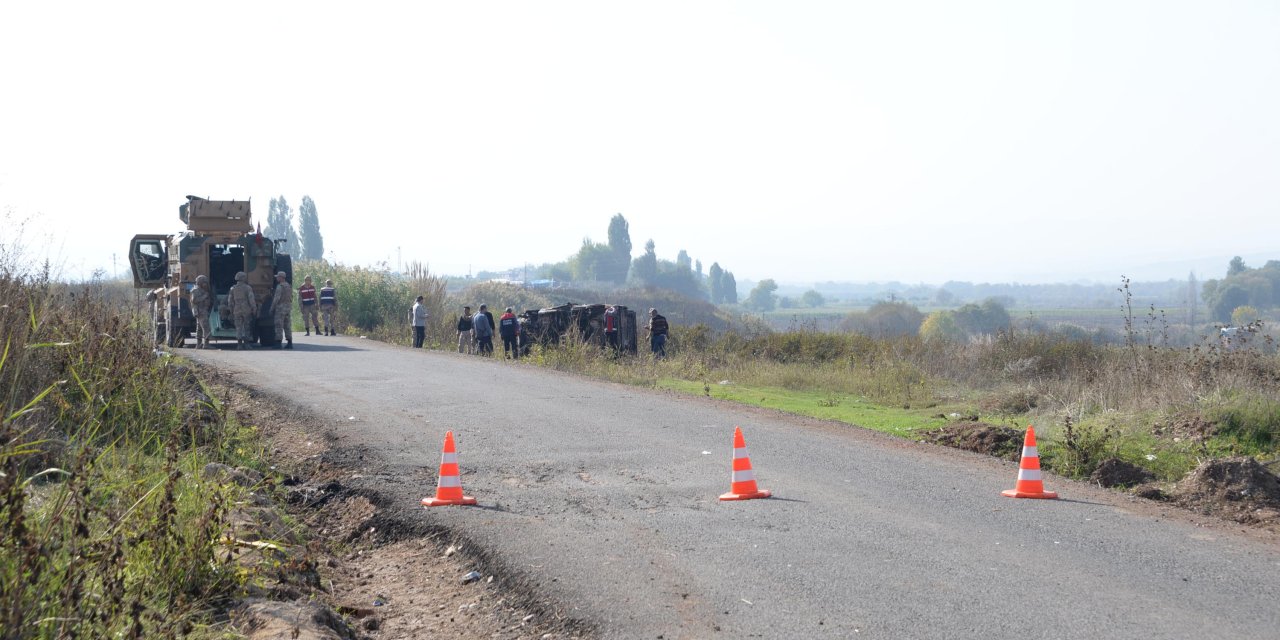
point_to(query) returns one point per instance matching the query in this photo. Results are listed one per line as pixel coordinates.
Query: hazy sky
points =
(803, 141)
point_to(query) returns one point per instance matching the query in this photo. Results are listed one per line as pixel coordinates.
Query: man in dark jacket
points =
(658, 329)
(465, 336)
(509, 329)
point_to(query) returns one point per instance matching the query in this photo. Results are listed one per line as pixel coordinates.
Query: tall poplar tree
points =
(280, 225)
(716, 276)
(312, 243)
(729, 288)
(620, 246)
(645, 268)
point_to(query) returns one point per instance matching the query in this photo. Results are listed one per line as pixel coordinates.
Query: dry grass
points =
(106, 529)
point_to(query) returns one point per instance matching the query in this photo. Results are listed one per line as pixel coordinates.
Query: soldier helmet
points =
(240, 276)
(202, 279)
(282, 275)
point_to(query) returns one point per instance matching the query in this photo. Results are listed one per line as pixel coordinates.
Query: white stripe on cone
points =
(450, 481)
(1028, 474)
(743, 476)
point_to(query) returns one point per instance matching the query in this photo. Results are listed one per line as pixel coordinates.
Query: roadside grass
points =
(850, 409)
(108, 527)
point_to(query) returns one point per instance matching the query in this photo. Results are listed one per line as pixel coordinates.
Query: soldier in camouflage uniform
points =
(201, 305)
(282, 309)
(244, 308)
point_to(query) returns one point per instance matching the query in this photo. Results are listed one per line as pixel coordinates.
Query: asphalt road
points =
(605, 498)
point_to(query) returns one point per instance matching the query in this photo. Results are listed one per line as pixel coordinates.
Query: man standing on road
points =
(465, 335)
(244, 308)
(658, 329)
(418, 316)
(509, 327)
(328, 306)
(282, 309)
(307, 305)
(201, 306)
(482, 324)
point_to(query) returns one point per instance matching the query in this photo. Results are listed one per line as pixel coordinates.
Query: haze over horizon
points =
(805, 142)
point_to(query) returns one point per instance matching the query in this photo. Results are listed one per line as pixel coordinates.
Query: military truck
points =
(219, 240)
(584, 321)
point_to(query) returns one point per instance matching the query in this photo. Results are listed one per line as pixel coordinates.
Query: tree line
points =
(302, 241)
(1239, 297)
(611, 262)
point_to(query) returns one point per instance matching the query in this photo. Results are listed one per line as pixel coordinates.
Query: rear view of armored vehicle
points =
(219, 241)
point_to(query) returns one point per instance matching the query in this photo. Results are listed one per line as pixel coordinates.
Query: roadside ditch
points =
(328, 558)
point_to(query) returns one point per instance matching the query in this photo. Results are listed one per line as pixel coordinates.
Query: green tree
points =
(716, 283)
(645, 268)
(729, 288)
(941, 325)
(1236, 266)
(987, 318)
(892, 318)
(762, 297)
(1244, 315)
(812, 298)
(683, 262)
(280, 225)
(1227, 298)
(312, 243)
(620, 246)
(594, 262)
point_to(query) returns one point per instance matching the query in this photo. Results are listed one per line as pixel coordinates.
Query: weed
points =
(105, 527)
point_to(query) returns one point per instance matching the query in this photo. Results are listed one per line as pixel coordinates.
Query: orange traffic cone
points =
(743, 482)
(1029, 483)
(449, 489)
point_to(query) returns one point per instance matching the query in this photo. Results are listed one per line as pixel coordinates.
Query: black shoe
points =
(277, 346)
(290, 345)
(309, 332)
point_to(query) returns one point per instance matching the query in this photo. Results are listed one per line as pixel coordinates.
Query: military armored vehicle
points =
(584, 321)
(219, 240)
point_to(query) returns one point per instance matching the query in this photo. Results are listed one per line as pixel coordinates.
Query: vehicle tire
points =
(266, 334)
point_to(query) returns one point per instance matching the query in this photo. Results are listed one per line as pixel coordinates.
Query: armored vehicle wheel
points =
(267, 334)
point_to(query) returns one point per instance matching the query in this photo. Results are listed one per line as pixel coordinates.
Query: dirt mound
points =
(979, 437)
(1114, 472)
(1193, 428)
(1240, 489)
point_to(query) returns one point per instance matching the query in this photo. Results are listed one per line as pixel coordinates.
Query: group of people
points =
(242, 307)
(312, 302)
(476, 331)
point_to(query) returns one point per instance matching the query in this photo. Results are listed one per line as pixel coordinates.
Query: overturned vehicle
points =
(603, 325)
